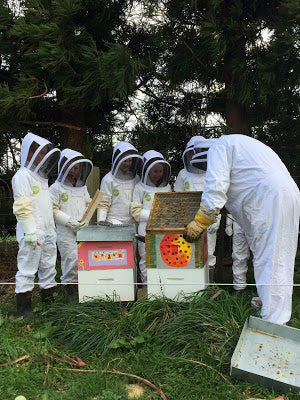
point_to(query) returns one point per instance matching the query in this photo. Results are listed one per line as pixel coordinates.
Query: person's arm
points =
(136, 206)
(61, 217)
(214, 197)
(23, 208)
(105, 203)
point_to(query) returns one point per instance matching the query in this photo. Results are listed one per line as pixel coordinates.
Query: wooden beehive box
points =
(174, 265)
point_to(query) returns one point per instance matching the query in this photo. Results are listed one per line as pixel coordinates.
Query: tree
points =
(213, 56)
(74, 70)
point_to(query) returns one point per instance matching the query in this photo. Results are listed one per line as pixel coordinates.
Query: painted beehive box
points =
(170, 259)
(106, 265)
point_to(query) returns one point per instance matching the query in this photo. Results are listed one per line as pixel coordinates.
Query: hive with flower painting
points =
(174, 266)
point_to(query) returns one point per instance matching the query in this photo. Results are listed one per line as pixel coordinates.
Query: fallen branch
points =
(145, 381)
(114, 371)
(208, 366)
(16, 361)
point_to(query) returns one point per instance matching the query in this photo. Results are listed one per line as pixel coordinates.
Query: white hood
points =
(201, 147)
(68, 160)
(150, 159)
(38, 155)
(122, 152)
(188, 154)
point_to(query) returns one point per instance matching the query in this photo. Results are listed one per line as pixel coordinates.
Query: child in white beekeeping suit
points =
(70, 198)
(118, 185)
(155, 178)
(192, 178)
(35, 227)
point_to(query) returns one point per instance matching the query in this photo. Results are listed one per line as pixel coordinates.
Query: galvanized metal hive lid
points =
(172, 211)
(106, 233)
(268, 354)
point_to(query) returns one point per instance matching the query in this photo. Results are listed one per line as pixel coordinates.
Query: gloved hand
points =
(229, 230)
(31, 239)
(215, 226)
(136, 209)
(192, 231)
(75, 225)
(229, 225)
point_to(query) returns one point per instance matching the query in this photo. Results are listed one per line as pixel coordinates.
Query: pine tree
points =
(74, 70)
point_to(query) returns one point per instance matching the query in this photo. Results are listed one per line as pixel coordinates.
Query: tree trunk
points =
(236, 117)
(75, 136)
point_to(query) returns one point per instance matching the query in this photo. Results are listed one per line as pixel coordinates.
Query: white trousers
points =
(240, 256)
(32, 260)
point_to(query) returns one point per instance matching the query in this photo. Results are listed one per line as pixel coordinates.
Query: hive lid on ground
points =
(172, 211)
(268, 354)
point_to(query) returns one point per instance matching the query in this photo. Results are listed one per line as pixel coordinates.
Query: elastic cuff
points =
(202, 220)
(211, 214)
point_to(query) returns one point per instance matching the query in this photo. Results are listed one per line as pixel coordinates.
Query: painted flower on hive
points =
(96, 256)
(175, 251)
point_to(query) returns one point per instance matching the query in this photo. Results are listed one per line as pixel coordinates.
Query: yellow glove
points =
(194, 229)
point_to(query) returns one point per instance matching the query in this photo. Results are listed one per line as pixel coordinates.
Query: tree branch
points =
(53, 123)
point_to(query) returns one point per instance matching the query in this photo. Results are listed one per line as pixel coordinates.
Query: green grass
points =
(154, 339)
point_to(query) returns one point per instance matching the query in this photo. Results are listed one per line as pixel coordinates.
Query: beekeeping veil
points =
(124, 151)
(201, 147)
(188, 154)
(38, 155)
(151, 159)
(73, 168)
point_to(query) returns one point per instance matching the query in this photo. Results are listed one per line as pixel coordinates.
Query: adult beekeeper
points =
(70, 198)
(35, 228)
(155, 178)
(192, 178)
(118, 185)
(250, 180)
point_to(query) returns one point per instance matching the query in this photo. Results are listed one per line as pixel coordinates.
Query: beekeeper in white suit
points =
(118, 185)
(192, 178)
(70, 198)
(250, 180)
(155, 178)
(35, 228)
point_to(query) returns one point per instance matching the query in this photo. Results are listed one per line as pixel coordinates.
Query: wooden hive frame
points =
(172, 211)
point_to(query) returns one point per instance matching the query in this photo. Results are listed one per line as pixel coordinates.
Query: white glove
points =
(29, 229)
(101, 216)
(31, 239)
(215, 226)
(229, 230)
(75, 225)
(229, 223)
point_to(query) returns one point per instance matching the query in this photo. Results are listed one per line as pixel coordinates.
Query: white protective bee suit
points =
(240, 253)
(143, 196)
(249, 179)
(190, 179)
(118, 186)
(33, 210)
(70, 196)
